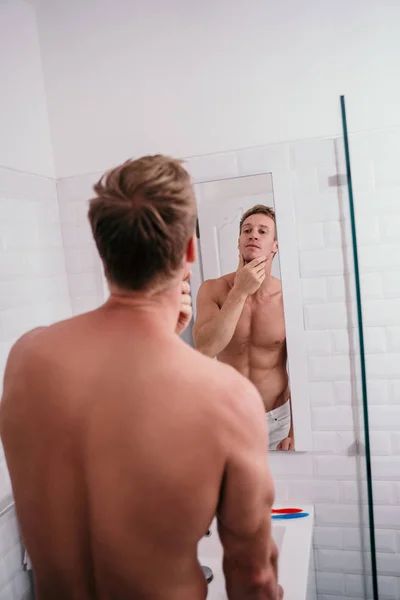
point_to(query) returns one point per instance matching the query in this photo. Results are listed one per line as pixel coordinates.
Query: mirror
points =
(240, 316)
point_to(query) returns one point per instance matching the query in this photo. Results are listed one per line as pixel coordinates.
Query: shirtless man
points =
(118, 454)
(240, 320)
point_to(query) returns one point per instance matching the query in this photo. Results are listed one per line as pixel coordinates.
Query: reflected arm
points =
(214, 326)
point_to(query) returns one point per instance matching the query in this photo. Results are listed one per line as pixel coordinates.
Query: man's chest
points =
(261, 324)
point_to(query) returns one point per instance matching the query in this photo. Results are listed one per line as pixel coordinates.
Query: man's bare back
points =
(118, 456)
(258, 347)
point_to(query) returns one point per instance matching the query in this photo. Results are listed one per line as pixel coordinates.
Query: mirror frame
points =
(273, 160)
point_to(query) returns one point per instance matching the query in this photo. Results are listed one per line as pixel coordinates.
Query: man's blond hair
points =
(142, 218)
(258, 209)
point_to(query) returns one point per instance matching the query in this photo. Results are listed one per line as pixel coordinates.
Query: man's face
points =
(257, 238)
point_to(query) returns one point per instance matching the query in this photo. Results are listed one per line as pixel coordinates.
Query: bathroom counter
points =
(294, 541)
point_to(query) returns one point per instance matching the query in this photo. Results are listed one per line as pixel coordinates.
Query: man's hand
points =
(249, 277)
(286, 444)
(186, 312)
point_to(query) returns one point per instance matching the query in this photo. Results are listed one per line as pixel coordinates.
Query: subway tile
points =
(335, 467)
(310, 153)
(340, 561)
(212, 167)
(257, 187)
(371, 285)
(42, 263)
(352, 539)
(262, 160)
(330, 583)
(391, 284)
(381, 443)
(340, 341)
(388, 564)
(338, 288)
(311, 491)
(381, 313)
(395, 443)
(355, 585)
(393, 339)
(383, 366)
(390, 227)
(49, 236)
(329, 368)
(12, 264)
(293, 465)
(377, 257)
(384, 417)
(321, 393)
(281, 492)
(394, 391)
(85, 284)
(328, 537)
(324, 442)
(384, 492)
(326, 316)
(374, 340)
(346, 442)
(67, 212)
(386, 468)
(343, 392)
(310, 236)
(318, 343)
(332, 418)
(321, 263)
(337, 515)
(349, 492)
(378, 391)
(385, 540)
(313, 290)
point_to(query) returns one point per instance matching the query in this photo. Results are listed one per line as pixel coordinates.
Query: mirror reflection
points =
(239, 308)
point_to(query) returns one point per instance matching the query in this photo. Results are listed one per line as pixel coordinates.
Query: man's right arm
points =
(244, 514)
(214, 326)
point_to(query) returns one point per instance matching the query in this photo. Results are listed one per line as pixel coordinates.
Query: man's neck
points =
(157, 306)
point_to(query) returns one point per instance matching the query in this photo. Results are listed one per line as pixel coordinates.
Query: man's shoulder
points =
(219, 285)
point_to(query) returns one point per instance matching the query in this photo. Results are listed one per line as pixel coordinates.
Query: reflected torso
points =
(258, 347)
(116, 474)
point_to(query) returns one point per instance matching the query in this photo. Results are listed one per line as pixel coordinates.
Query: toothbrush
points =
(286, 511)
(291, 516)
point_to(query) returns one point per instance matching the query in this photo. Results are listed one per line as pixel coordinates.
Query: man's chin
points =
(251, 254)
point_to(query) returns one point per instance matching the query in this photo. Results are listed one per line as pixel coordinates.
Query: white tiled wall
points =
(82, 262)
(33, 291)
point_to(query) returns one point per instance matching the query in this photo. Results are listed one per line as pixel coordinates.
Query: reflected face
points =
(257, 238)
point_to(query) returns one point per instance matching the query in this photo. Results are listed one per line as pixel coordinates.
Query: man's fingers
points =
(185, 287)
(186, 299)
(257, 261)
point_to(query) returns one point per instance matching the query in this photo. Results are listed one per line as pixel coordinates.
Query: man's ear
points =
(191, 252)
(275, 248)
